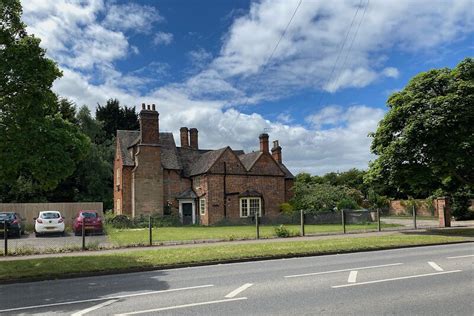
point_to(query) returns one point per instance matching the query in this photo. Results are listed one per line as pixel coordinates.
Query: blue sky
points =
(209, 64)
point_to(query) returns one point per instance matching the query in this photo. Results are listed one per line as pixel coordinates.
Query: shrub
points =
(282, 231)
(461, 201)
(347, 203)
(286, 208)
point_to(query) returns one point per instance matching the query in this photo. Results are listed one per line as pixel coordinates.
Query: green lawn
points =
(48, 268)
(123, 237)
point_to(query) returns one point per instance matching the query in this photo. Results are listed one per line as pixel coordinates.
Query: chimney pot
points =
(264, 143)
(193, 138)
(143, 106)
(148, 107)
(276, 151)
(153, 107)
(183, 132)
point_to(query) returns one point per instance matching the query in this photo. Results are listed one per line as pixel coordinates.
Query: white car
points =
(49, 222)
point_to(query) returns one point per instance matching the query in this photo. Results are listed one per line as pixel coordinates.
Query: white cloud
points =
(162, 38)
(391, 72)
(131, 16)
(88, 37)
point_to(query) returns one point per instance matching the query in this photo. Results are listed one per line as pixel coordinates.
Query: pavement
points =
(434, 280)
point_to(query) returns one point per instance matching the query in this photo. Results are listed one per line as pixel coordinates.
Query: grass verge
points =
(62, 267)
(126, 237)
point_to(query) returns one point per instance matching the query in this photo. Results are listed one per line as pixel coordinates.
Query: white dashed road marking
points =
(394, 279)
(457, 257)
(343, 270)
(183, 306)
(238, 290)
(435, 266)
(104, 298)
(93, 308)
(352, 277)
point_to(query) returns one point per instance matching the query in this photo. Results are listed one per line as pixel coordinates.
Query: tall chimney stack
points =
(183, 131)
(149, 126)
(264, 142)
(276, 151)
(193, 138)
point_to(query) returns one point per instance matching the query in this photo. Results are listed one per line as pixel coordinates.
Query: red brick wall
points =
(272, 189)
(118, 182)
(398, 207)
(173, 185)
(127, 190)
(266, 165)
(200, 186)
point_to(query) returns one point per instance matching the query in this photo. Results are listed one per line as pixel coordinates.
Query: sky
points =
(313, 74)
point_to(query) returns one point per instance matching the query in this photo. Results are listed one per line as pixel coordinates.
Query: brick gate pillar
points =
(444, 211)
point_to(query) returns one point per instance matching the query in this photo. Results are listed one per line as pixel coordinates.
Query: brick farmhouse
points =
(153, 175)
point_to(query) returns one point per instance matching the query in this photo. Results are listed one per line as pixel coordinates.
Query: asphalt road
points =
(436, 280)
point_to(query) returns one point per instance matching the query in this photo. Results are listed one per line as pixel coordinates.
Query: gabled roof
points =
(169, 156)
(288, 174)
(125, 139)
(206, 161)
(248, 160)
(187, 194)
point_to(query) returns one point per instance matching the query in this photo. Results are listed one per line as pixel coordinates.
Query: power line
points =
(270, 57)
(352, 43)
(339, 53)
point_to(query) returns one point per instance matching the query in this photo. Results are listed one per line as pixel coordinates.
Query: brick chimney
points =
(149, 125)
(193, 138)
(276, 151)
(183, 132)
(264, 142)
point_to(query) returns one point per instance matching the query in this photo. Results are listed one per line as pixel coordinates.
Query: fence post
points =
(150, 230)
(343, 221)
(5, 237)
(378, 220)
(257, 225)
(302, 222)
(83, 234)
(414, 216)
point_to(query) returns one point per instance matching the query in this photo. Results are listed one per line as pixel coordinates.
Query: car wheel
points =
(37, 234)
(76, 233)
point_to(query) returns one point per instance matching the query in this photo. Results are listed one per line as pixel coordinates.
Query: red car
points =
(91, 221)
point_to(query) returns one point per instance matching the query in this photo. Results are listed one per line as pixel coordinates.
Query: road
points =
(436, 280)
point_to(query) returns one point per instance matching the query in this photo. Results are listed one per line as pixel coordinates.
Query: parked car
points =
(49, 222)
(90, 219)
(14, 222)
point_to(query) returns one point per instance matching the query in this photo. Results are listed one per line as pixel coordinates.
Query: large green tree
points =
(114, 117)
(37, 146)
(426, 140)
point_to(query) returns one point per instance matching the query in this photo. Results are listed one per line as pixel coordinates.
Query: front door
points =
(187, 213)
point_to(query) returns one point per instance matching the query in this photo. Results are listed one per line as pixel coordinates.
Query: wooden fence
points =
(68, 210)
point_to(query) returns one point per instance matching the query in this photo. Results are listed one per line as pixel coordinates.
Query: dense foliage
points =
(115, 117)
(426, 140)
(38, 147)
(316, 194)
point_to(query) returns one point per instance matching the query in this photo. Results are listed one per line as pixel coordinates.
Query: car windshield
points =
(50, 215)
(89, 214)
(4, 216)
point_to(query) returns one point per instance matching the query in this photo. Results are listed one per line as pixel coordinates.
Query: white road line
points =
(352, 277)
(238, 290)
(435, 266)
(183, 306)
(461, 257)
(343, 270)
(394, 279)
(104, 298)
(93, 308)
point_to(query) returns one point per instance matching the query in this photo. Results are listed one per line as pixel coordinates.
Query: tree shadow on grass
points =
(81, 289)
(453, 232)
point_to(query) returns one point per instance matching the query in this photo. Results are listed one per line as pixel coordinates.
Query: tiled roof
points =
(248, 160)
(288, 174)
(187, 194)
(169, 155)
(126, 138)
(206, 161)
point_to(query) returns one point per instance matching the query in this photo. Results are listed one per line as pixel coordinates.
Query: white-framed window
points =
(202, 206)
(249, 206)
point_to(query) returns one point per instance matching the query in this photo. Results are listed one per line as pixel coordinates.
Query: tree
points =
(37, 146)
(426, 140)
(115, 117)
